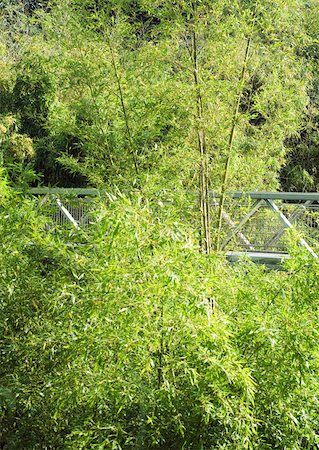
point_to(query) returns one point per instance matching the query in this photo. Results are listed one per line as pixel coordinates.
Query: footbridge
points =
(254, 224)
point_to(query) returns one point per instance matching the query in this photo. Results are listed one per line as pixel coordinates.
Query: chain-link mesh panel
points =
(254, 225)
(65, 212)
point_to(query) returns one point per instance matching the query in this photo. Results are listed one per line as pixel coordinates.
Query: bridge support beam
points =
(301, 206)
(289, 225)
(245, 219)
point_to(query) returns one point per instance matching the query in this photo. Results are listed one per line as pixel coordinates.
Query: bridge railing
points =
(66, 208)
(258, 221)
(251, 221)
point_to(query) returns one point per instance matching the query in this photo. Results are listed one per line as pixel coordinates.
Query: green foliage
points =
(17, 152)
(114, 345)
(135, 340)
(106, 90)
(126, 337)
(31, 95)
(300, 170)
(274, 327)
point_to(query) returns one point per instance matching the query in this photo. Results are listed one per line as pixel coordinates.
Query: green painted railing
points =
(252, 222)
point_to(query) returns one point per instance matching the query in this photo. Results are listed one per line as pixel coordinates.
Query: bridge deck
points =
(290, 196)
(267, 258)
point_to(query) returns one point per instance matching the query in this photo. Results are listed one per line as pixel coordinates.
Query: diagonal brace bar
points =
(244, 220)
(288, 224)
(67, 214)
(292, 218)
(232, 225)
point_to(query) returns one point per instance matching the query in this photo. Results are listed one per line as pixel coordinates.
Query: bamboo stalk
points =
(232, 134)
(161, 349)
(123, 106)
(201, 138)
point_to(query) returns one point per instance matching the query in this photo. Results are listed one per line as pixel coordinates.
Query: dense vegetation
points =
(136, 340)
(127, 336)
(106, 92)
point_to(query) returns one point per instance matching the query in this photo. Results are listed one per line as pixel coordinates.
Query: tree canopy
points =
(106, 91)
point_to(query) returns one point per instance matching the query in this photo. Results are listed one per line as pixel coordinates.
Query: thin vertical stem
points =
(123, 106)
(232, 135)
(201, 138)
(161, 349)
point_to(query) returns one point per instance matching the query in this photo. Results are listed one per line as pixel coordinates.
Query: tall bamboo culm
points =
(232, 133)
(123, 107)
(206, 243)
